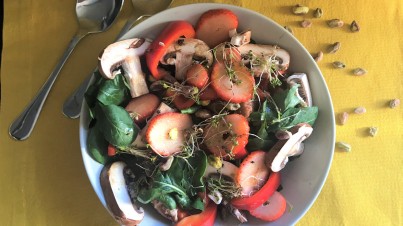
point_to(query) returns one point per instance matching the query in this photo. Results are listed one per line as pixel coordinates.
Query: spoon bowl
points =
(93, 16)
(142, 8)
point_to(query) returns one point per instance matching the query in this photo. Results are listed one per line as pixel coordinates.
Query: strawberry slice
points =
(252, 173)
(166, 132)
(228, 137)
(143, 107)
(271, 210)
(181, 102)
(197, 76)
(208, 93)
(214, 25)
(232, 83)
(227, 54)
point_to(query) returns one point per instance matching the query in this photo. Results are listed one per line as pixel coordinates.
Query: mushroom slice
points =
(239, 39)
(126, 54)
(290, 147)
(117, 197)
(304, 91)
(182, 54)
(171, 215)
(228, 169)
(262, 57)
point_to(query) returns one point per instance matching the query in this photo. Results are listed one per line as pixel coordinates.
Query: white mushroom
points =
(117, 195)
(290, 147)
(239, 39)
(171, 215)
(182, 54)
(126, 54)
(304, 91)
(228, 169)
(263, 57)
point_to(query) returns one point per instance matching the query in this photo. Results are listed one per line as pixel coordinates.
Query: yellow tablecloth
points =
(43, 181)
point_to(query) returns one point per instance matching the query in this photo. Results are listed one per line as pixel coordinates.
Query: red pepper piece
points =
(172, 32)
(261, 196)
(205, 218)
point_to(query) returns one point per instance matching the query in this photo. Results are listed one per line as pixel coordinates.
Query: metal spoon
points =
(93, 16)
(142, 8)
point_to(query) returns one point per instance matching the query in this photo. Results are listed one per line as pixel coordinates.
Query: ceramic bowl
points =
(302, 179)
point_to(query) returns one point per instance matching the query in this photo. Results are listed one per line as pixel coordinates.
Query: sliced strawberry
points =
(271, 210)
(234, 83)
(208, 93)
(252, 173)
(166, 132)
(143, 107)
(181, 102)
(228, 137)
(214, 25)
(197, 75)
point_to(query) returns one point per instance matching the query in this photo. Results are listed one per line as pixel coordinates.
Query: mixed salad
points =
(197, 123)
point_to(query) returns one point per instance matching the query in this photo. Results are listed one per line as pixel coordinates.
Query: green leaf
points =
(200, 162)
(113, 91)
(97, 146)
(198, 204)
(295, 116)
(182, 182)
(116, 125)
(291, 100)
(92, 91)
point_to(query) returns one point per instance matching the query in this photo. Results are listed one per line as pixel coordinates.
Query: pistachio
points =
(354, 27)
(360, 110)
(343, 146)
(233, 106)
(394, 103)
(203, 114)
(338, 64)
(333, 48)
(317, 13)
(300, 9)
(319, 56)
(289, 29)
(343, 118)
(359, 71)
(306, 23)
(335, 23)
(373, 131)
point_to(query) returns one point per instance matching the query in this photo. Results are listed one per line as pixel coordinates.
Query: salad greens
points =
(281, 112)
(179, 185)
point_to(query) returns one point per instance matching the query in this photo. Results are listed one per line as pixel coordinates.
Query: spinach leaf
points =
(291, 100)
(116, 125)
(97, 146)
(294, 116)
(182, 182)
(92, 91)
(259, 121)
(286, 99)
(113, 91)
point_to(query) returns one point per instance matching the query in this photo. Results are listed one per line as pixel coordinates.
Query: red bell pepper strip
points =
(172, 32)
(261, 196)
(111, 150)
(205, 218)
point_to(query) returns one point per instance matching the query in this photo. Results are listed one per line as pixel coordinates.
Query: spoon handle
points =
(22, 127)
(72, 105)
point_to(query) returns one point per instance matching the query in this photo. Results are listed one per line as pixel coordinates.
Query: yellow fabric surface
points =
(43, 181)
